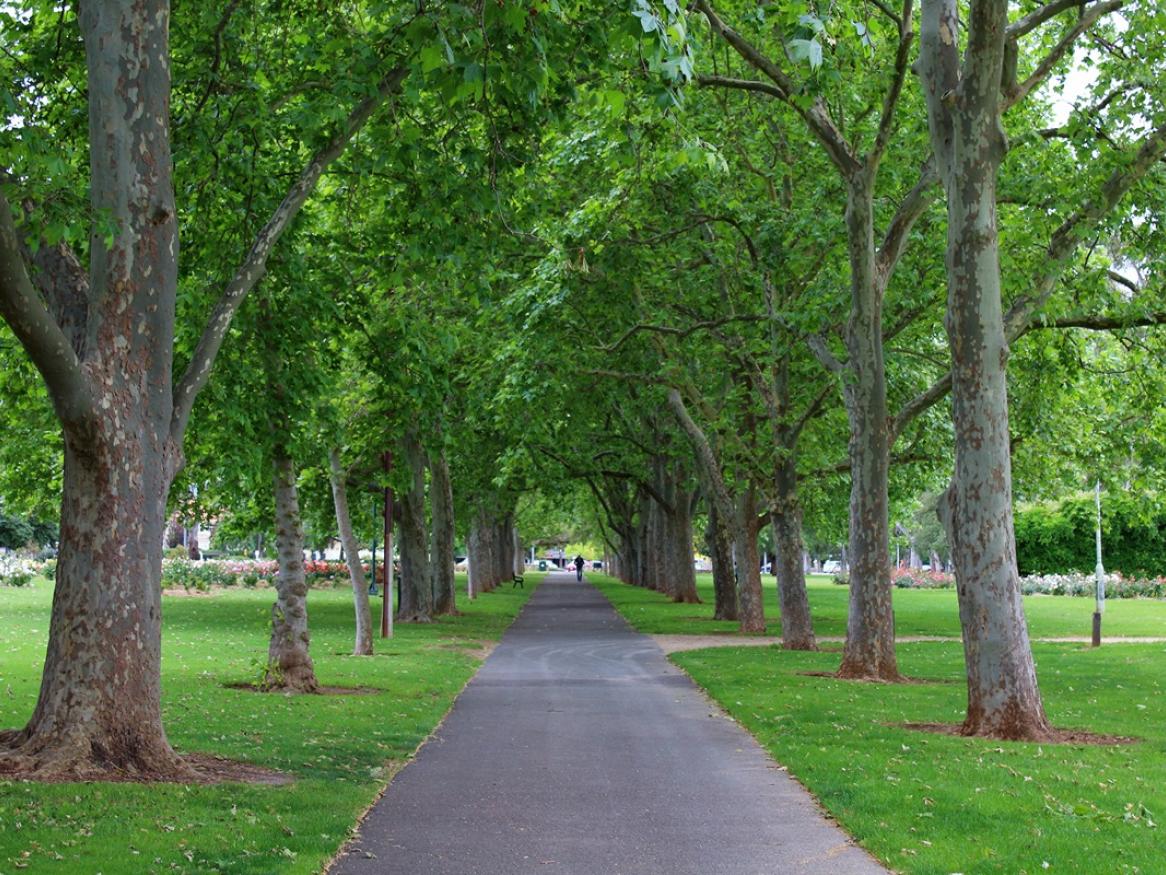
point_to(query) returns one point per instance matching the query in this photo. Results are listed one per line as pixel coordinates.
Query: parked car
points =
(831, 566)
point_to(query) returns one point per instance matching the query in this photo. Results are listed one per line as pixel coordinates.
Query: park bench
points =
(516, 580)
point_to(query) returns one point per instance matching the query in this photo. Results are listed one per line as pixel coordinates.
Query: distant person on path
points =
(578, 567)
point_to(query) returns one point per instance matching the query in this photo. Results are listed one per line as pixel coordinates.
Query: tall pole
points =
(387, 601)
(372, 567)
(1100, 606)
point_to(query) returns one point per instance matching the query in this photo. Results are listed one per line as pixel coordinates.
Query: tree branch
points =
(816, 115)
(1101, 322)
(1066, 238)
(1036, 18)
(912, 206)
(821, 351)
(681, 332)
(44, 341)
(1016, 93)
(255, 264)
(891, 99)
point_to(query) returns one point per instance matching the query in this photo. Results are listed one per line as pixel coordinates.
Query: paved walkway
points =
(579, 749)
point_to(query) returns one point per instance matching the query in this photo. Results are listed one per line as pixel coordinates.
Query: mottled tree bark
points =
(869, 651)
(724, 581)
(752, 609)
(362, 645)
(964, 115)
(680, 548)
(416, 604)
(442, 530)
(289, 664)
(99, 709)
(797, 628)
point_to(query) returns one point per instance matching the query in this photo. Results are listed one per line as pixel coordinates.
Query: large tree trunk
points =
(416, 595)
(724, 581)
(362, 646)
(441, 554)
(289, 664)
(1003, 697)
(110, 376)
(99, 709)
(797, 628)
(870, 628)
(480, 547)
(752, 608)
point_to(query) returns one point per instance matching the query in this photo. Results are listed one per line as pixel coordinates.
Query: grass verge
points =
(929, 804)
(917, 612)
(341, 750)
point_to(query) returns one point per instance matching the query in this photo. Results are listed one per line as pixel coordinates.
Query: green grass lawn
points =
(917, 612)
(930, 804)
(341, 750)
(926, 803)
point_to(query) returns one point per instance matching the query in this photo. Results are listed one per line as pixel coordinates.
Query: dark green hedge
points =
(1058, 537)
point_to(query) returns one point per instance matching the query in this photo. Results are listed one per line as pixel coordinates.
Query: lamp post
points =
(372, 568)
(1100, 570)
(387, 603)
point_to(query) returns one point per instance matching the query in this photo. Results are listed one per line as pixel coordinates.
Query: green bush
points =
(1058, 538)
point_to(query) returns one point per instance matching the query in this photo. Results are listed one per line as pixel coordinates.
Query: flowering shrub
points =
(202, 575)
(916, 578)
(1077, 584)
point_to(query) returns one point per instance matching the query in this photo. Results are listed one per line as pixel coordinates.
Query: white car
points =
(831, 566)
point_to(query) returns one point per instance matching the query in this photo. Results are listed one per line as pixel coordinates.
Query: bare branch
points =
(255, 264)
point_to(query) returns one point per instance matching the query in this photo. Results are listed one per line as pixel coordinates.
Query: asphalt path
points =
(578, 748)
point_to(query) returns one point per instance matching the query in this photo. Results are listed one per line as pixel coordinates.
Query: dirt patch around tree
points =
(476, 649)
(902, 679)
(219, 770)
(321, 690)
(1056, 736)
(200, 768)
(680, 643)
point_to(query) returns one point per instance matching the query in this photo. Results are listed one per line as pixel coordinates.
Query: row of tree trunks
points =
(752, 610)
(797, 628)
(493, 547)
(442, 534)
(724, 580)
(416, 602)
(362, 646)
